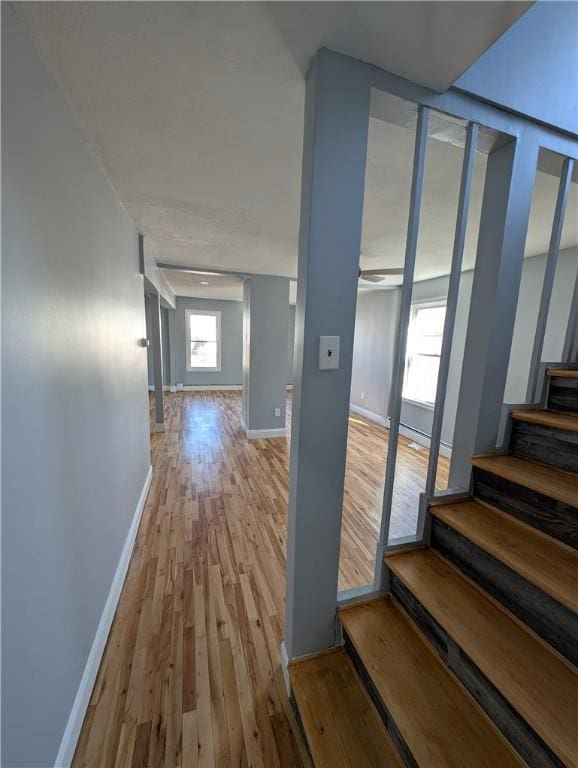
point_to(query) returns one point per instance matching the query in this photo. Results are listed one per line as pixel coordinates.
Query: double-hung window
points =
(424, 344)
(203, 329)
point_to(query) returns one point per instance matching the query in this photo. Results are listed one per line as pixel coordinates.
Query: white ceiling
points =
(195, 112)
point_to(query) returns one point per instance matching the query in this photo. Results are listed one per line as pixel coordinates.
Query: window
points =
(203, 330)
(424, 344)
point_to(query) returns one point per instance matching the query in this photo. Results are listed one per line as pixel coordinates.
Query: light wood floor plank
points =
(192, 674)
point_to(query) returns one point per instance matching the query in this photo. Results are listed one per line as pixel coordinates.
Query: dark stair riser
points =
(515, 729)
(548, 618)
(553, 517)
(563, 394)
(387, 719)
(545, 444)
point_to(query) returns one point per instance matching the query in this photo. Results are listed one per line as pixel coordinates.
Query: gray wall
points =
(231, 346)
(375, 328)
(378, 343)
(75, 438)
(533, 67)
(527, 315)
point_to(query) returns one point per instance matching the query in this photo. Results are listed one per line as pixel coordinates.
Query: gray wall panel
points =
(231, 345)
(374, 341)
(375, 327)
(75, 437)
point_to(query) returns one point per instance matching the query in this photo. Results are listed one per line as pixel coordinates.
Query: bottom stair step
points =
(340, 721)
(438, 723)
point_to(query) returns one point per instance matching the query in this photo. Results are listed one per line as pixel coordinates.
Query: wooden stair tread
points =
(568, 422)
(437, 719)
(545, 562)
(342, 725)
(533, 678)
(550, 481)
(568, 373)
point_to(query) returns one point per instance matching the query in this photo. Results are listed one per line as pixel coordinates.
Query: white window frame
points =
(200, 369)
(415, 307)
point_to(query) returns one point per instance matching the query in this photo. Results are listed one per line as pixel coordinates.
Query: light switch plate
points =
(328, 353)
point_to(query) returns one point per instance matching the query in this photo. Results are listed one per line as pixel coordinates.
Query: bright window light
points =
(203, 340)
(424, 346)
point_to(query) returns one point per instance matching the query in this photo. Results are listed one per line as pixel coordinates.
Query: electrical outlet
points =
(277, 411)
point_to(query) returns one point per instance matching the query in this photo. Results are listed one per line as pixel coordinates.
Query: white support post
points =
(401, 338)
(333, 179)
(157, 345)
(550, 274)
(510, 177)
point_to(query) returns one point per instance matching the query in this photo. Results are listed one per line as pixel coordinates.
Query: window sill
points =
(418, 403)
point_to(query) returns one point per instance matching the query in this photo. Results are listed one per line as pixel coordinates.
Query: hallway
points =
(191, 674)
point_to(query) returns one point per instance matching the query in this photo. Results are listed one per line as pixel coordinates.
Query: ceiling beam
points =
(218, 272)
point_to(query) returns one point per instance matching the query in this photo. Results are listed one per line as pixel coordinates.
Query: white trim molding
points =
(84, 692)
(258, 434)
(166, 388)
(376, 417)
(421, 439)
(415, 435)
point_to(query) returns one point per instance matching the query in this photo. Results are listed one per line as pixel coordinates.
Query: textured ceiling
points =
(195, 113)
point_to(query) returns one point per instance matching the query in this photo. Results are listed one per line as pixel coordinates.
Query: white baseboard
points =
(84, 692)
(258, 434)
(424, 440)
(159, 428)
(376, 417)
(211, 387)
(166, 388)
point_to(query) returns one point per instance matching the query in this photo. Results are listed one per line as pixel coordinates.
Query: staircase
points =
(471, 659)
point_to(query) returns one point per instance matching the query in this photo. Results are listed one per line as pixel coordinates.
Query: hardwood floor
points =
(191, 674)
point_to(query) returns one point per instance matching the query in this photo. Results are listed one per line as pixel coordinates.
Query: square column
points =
(157, 350)
(333, 180)
(265, 350)
(510, 178)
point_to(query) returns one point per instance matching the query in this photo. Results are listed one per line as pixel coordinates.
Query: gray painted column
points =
(157, 348)
(510, 177)
(265, 350)
(333, 177)
(172, 316)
